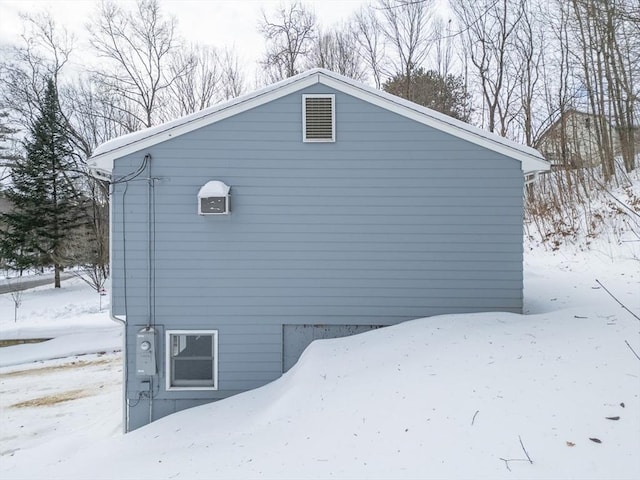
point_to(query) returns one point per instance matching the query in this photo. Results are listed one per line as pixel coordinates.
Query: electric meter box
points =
(146, 352)
(213, 198)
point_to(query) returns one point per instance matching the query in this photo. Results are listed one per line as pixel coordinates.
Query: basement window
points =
(192, 359)
(318, 118)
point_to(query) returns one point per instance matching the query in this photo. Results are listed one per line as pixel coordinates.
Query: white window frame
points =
(333, 118)
(168, 370)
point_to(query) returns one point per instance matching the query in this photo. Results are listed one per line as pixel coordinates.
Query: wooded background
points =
(546, 73)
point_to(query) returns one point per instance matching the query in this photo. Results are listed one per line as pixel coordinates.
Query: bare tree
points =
(233, 78)
(528, 51)
(44, 51)
(199, 86)
(559, 89)
(289, 35)
(8, 150)
(337, 50)
(93, 265)
(488, 31)
(443, 43)
(138, 49)
(622, 62)
(17, 291)
(24, 72)
(97, 116)
(406, 28)
(370, 37)
(592, 59)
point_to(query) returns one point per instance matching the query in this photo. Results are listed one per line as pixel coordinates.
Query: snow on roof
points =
(101, 162)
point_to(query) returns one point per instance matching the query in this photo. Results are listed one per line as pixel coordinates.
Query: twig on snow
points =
(619, 302)
(506, 463)
(525, 450)
(631, 348)
(474, 417)
(507, 460)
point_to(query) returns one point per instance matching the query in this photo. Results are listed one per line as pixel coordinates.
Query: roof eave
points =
(102, 161)
(103, 157)
(530, 158)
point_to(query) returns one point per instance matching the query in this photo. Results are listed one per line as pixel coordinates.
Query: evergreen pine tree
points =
(44, 202)
(443, 93)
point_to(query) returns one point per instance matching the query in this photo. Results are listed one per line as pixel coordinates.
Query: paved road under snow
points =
(17, 284)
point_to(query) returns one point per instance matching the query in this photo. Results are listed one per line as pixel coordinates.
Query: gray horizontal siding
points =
(335, 205)
(173, 314)
(393, 221)
(374, 301)
(250, 355)
(337, 266)
(170, 278)
(329, 241)
(393, 240)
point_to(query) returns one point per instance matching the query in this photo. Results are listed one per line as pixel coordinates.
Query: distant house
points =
(572, 140)
(317, 207)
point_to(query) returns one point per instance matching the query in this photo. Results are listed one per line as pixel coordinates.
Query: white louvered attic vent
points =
(318, 118)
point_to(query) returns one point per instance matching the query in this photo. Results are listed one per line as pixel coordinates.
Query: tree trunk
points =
(56, 276)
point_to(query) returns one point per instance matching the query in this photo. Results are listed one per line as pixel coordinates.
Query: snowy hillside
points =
(574, 210)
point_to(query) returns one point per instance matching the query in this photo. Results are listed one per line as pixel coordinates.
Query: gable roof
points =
(101, 162)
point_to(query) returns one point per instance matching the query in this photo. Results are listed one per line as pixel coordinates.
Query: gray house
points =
(317, 207)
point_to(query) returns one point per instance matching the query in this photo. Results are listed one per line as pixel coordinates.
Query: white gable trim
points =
(531, 159)
(102, 160)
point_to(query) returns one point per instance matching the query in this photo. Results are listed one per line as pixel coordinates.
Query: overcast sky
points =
(221, 23)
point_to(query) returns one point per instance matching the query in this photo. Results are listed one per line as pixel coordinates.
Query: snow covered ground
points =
(68, 387)
(457, 396)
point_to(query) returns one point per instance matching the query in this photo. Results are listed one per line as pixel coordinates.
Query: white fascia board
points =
(101, 162)
(530, 158)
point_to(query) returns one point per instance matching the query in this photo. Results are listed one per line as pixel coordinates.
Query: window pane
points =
(193, 370)
(192, 346)
(191, 359)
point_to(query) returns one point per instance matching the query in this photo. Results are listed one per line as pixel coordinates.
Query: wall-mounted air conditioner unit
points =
(213, 198)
